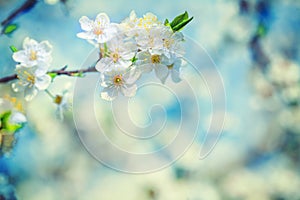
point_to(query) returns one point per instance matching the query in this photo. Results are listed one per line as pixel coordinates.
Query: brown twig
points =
(26, 6)
(58, 72)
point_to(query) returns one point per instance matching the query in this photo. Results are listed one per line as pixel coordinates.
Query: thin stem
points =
(50, 94)
(25, 7)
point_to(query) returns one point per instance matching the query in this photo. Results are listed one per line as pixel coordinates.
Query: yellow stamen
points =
(155, 59)
(118, 80)
(170, 66)
(58, 99)
(98, 31)
(33, 55)
(115, 57)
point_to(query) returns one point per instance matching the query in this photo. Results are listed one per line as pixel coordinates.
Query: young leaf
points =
(52, 75)
(13, 48)
(179, 19)
(182, 24)
(167, 23)
(10, 29)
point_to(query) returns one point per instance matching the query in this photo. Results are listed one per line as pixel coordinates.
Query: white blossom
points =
(34, 54)
(147, 62)
(62, 104)
(119, 55)
(119, 81)
(30, 81)
(100, 30)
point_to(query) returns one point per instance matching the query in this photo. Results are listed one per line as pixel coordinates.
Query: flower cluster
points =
(134, 47)
(33, 63)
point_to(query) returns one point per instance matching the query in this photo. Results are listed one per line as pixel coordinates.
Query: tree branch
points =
(26, 6)
(58, 72)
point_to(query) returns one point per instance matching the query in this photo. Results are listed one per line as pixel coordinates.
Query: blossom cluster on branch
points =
(127, 50)
(134, 47)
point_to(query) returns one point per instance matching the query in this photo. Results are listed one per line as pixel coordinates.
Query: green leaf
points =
(52, 75)
(182, 24)
(179, 19)
(79, 74)
(167, 23)
(134, 59)
(13, 48)
(6, 125)
(10, 29)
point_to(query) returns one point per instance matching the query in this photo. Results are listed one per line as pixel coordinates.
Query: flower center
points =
(26, 76)
(115, 57)
(170, 66)
(98, 31)
(58, 99)
(155, 59)
(33, 55)
(118, 80)
(167, 43)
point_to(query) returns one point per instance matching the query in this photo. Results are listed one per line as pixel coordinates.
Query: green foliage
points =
(179, 22)
(13, 48)
(9, 29)
(78, 74)
(6, 125)
(52, 75)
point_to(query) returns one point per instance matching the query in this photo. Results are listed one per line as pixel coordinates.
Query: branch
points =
(26, 6)
(58, 72)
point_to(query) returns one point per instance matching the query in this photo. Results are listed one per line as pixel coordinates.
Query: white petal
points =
(29, 43)
(175, 76)
(161, 72)
(41, 70)
(145, 68)
(102, 19)
(86, 35)
(43, 82)
(17, 86)
(17, 118)
(45, 46)
(103, 64)
(109, 93)
(129, 91)
(30, 93)
(20, 56)
(85, 23)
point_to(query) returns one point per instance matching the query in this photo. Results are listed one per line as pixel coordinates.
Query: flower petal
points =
(103, 64)
(43, 82)
(30, 93)
(129, 91)
(109, 93)
(45, 46)
(29, 43)
(86, 35)
(102, 20)
(20, 56)
(175, 76)
(17, 86)
(17, 118)
(161, 72)
(86, 24)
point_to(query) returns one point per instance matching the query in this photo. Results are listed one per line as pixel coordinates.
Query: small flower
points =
(147, 61)
(151, 40)
(119, 55)
(100, 30)
(172, 43)
(30, 81)
(117, 81)
(134, 26)
(62, 104)
(34, 54)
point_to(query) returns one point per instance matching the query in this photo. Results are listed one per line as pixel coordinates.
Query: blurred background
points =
(255, 46)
